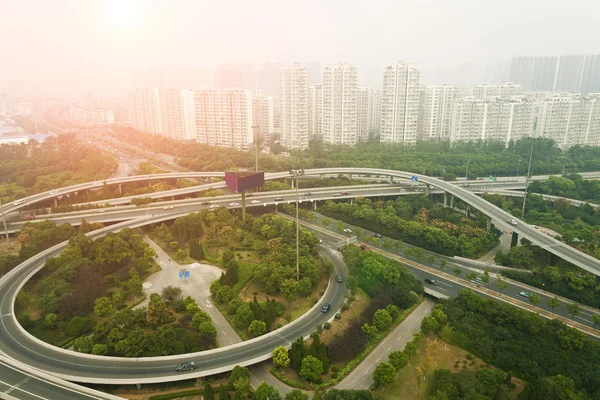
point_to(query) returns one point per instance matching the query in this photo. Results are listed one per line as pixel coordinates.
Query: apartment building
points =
(262, 116)
(293, 111)
(435, 111)
(315, 111)
(340, 104)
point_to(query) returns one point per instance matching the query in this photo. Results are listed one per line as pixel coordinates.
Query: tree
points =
(264, 391)
(180, 255)
(485, 277)
(429, 324)
(257, 328)
(280, 356)
(574, 309)
(325, 221)
(430, 260)
(296, 394)
(398, 359)
(237, 373)
(83, 344)
(340, 226)
(157, 312)
(103, 306)
(77, 326)
(501, 285)
(241, 385)
(382, 319)
(596, 320)
(288, 289)
(51, 321)
(553, 303)
(457, 271)
(209, 393)
(471, 276)
(223, 393)
(207, 328)
(534, 299)
(100, 349)
(443, 263)
(384, 373)
(171, 293)
(311, 368)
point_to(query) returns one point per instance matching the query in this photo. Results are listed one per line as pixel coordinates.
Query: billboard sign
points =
(242, 181)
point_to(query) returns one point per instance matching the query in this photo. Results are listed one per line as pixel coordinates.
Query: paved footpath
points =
(362, 376)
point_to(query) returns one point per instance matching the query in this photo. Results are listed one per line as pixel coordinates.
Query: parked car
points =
(512, 222)
(347, 230)
(53, 192)
(186, 366)
(325, 308)
(378, 235)
(255, 202)
(431, 281)
(17, 202)
(339, 279)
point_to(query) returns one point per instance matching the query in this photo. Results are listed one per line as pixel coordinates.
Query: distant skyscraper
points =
(315, 111)
(294, 106)
(262, 116)
(236, 76)
(176, 113)
(339, 104)
(363, 113)
(375, 96)
(505, 91)
(543, 73)
(144, 110)
(314, 73)
(435, 111)
(590, 80)
(400, 104)
(570, 72)
(268, 78)
(224, 118)
(521, 71)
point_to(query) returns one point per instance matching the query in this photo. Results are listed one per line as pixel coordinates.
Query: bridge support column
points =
(350, 176)
(56, 202)
(315, 205)
(427, 188)
(209, 180)
(321, 176)
(172, 198)
(445, 200)
(391, 179)
(468, 211)
(351, 201)
(488, 224)
(244, 207)
(514, 240)
(121, 189)
(452, 201)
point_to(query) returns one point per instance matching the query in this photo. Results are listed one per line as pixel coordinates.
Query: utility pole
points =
(467, 171)
(295, 173)
(5, 229)
(527, 178)
(255, 133)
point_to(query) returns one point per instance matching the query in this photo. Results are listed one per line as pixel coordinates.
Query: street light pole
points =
(467, 171)
(527, 178)
(5, 229)
(295, 173)
(255, 133)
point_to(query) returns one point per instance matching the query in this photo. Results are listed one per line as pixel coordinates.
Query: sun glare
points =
(125, 15)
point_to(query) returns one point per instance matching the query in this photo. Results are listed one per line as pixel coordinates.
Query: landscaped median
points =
(343, 372)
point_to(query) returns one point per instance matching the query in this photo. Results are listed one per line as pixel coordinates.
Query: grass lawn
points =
(447, 357)
(339, 326)
(14, 243)
(245, 274)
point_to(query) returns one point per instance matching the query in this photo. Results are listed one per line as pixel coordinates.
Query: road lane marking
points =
(13, 387)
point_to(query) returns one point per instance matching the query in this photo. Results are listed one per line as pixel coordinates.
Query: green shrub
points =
(338, 316)
(345, 307)
(470, 357)
(327, 325)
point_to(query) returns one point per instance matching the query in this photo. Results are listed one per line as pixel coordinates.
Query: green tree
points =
(171, 293)
(296, 394)
(100, 349)
(534, 299)
(443, 263)
(280, 356)
(554, 303)
(457, 271)
(382, 319)
(180, 255)
(209, 393)
(117, 300)
(264, 391)
(485, 277)
(429, 324)
(311, 368)
(501, 285)
(103, 306)
(241, 385)
(223, 393)
(471, 276)
(339, 226)
(325, 221)
(83, 344)
(51, 321)
(596, 320)
(289, 289)
(77, 326)
(384, 373)
(398, 359)
(157, 312)
(430, 260)
(257, 328)
(574, 310)
(237, 373)
(207, 328)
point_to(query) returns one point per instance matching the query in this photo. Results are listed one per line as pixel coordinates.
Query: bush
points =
(338, 316)
(327, 325)
(345, 307)
(470, 356)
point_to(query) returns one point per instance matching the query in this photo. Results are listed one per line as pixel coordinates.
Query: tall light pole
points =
(518, 164)
(4, 222)
(467, 171)
(295, 173)
(255, 133)
(527, 177)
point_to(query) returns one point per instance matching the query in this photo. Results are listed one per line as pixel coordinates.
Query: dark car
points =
(279, 199)
(345, 193)
(325, 308)
(340, 279)
(205, 203)
(308, 194)
(186, 366)
(431, 281)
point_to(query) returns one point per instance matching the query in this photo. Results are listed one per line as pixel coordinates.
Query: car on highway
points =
(186, 366)
(308, 194)
(346, 230)
(255, 202)
(29, 217)
(214, 206)
(345, 193)
(302, 197)
(279, 199)
(97, 183)
(525, 294)
(205, 203)
(325, 308)
(512, 222)
(339, 279)
(167, 207)
(17, 202)
(53, 192)
(363, 247)
(431, 281)
(233, 203)
(249, 195)
(337, 195)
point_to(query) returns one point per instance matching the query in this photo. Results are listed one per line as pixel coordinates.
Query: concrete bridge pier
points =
(488, 224)
(452, 201)
(445, 200)
(468, 213)
(56, 202)
(391, 179)
(121, 188)
(514, 241)
(427, 189)
(315, 205)
(209, 180)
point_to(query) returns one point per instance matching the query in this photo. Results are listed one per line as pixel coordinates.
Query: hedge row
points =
(177, 395)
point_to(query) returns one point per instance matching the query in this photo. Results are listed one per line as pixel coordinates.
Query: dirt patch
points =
(339, 326)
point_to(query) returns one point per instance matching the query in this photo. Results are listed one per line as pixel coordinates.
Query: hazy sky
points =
(63, 46)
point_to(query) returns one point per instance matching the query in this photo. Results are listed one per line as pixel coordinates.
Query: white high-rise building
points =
(435, 111)
(506, 91)
(176, 113)
(340, 104)
(91, 115)
(262, 116)
(375, 97)
(144, 110)
(224, 118)
(493, 119)
(570, 120)
(363, 113)
(400, 104)
(315, 111)
(294, 106)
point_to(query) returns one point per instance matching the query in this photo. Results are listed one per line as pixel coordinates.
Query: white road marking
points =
(208, 304)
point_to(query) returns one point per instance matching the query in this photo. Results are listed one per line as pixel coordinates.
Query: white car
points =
(512, 222)
(255, 202)
(97, 183)
(213, 206)
(167, 207)
(347, 230)
(53, 192)
(234, 204)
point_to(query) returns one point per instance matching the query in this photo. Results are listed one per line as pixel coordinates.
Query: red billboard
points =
(239, 181)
